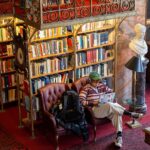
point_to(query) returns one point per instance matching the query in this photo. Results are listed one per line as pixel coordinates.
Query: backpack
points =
(71, 115)
(72, 109)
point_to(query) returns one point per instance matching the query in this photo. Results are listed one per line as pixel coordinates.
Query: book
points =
(107, 97)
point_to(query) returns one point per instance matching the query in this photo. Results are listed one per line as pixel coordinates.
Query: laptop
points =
(107, 97)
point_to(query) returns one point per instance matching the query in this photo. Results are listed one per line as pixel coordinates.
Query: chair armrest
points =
(50, 118)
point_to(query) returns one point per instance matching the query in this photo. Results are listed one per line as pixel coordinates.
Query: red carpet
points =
(7, 142)
(105, 134)
(132, 140)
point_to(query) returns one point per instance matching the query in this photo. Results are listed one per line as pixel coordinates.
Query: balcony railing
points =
(45, 12)
(84, 8)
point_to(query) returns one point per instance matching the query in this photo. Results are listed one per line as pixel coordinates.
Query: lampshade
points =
(135, 64)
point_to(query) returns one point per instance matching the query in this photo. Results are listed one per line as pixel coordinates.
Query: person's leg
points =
(117, 108)
(104, 110)
(114, 112)
(116, 120)
(133, 114)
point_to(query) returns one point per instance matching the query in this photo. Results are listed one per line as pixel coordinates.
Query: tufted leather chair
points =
(77, 86)
(51, 95)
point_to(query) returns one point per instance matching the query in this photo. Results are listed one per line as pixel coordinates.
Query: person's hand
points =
(95, 102)
(84, 103)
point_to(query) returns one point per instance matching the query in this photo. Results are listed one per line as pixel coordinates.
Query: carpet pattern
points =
(133, 139)
(11, 137)
(7, 142)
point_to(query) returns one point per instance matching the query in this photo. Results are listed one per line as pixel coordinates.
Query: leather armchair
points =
(77, 86)
(51, 95)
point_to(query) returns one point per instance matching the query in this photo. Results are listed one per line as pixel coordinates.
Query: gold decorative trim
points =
(88, 19)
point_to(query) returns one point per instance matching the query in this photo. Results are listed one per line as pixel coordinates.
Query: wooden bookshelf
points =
(41, 50)
(51, 38)
(52, 55)
(27, 122)
(8, 83)
(52, 73)
(7, 41)
(91, 64)
(103, 28)
(99, 46)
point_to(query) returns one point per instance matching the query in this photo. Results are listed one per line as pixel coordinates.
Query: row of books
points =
(9, 95)
(92, 40)
(40, 82)
(49, 47)
(4, 35)
(48, 66)
(96, 25)
(8, 80)
(92, 56)
(104, 69)
(6, 49)
(49, 33)
(35, 103)
(19, 30)
(7, 65)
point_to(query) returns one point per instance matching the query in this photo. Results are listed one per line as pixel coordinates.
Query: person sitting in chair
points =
(90, 96)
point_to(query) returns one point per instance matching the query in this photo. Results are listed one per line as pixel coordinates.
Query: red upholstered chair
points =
(51, 95)
(77, 86)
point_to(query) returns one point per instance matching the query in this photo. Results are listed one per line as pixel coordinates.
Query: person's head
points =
(94, 78)
(140, 31)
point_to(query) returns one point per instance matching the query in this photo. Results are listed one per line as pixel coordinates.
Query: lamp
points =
(135, 64)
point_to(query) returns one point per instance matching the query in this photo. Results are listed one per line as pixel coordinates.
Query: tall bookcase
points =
(95, 50)
(50, 52)
(8, 82)
(65, 54)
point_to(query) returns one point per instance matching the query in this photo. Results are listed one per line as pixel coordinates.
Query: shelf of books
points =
(7, 63)
(50, 52)
(63, 54)
(95, 49)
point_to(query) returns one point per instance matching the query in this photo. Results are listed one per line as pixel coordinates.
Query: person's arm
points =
(104, 88)
(83, 98)
(108, 90)
(93, 102)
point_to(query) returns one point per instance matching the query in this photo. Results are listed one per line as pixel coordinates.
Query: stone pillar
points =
(140, 103)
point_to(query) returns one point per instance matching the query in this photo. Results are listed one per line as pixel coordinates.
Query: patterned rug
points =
(133, 139)
(7, 142)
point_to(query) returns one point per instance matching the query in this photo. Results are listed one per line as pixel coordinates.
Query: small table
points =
(147, 135)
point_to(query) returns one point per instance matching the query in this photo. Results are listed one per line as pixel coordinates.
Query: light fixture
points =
(135, 64)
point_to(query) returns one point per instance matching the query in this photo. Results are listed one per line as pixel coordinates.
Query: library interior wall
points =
(125, 34)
